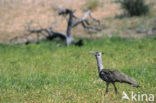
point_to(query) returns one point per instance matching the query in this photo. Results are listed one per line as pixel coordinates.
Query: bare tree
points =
(50, 34)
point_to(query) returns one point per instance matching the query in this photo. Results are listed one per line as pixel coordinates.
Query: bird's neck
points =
(99, 63)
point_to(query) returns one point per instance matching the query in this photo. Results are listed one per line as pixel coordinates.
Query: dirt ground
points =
(16, 14)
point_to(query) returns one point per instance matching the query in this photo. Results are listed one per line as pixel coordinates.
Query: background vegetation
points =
(135, 7)
(46, 73)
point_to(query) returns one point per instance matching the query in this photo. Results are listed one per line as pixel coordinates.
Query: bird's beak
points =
(92, 52)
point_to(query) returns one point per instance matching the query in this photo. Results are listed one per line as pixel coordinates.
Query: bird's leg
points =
(107, 84)
(115, 88)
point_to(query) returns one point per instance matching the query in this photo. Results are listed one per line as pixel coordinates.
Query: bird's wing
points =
(121, 77)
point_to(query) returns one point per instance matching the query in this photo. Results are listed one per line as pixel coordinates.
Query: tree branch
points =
(50, 34)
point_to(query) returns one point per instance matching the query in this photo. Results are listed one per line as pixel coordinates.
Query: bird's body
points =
(112, 75)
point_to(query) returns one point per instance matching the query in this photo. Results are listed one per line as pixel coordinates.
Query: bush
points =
(135, 7)
(92, 4)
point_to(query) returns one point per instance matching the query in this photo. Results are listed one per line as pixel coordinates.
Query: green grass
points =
(46, 73)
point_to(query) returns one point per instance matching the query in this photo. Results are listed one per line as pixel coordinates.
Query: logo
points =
(138, 97)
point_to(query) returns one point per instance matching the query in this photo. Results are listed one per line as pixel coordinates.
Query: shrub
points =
(92, 4)
(135, 7)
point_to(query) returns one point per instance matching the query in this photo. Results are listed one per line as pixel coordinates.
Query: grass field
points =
(46, 73)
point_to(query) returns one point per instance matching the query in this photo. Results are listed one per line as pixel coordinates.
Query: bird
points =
(112, 75)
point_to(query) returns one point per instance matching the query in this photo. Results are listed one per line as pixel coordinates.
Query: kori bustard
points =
(111, 75)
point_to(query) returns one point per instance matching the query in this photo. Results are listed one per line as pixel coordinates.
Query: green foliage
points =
(135, 7)
(49, 74)
(92, 4)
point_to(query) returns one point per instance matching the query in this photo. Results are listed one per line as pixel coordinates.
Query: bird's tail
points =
(132, 82)
(127, 79)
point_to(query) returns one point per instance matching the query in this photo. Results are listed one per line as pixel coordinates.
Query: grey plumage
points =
(111, 75)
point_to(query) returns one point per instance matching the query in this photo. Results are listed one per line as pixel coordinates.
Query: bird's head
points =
(96, 53)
